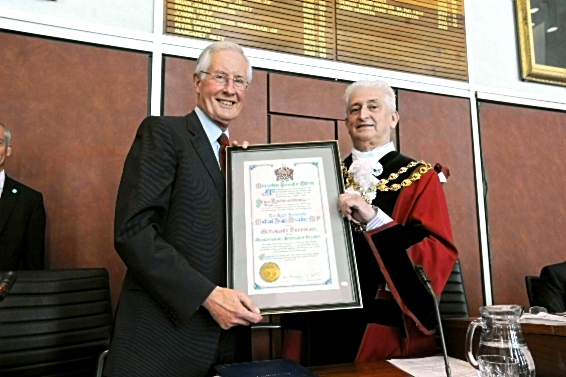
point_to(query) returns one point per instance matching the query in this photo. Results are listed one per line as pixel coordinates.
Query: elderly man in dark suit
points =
(22, 218)
(175, 316)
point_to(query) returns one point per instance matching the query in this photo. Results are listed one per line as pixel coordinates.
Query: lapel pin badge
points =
(15, 191)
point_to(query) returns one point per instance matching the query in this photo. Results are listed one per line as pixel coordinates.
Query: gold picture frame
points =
(531, 45)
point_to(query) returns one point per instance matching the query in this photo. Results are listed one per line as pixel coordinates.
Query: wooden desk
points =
(547, 344)
(373, 369)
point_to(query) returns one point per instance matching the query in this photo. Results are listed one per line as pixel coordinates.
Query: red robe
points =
(400, 322)
(422, 203)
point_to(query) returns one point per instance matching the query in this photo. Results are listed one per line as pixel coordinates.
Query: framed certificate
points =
(289, 248)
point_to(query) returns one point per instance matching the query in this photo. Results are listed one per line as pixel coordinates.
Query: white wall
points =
(495, 62)
(126, 14)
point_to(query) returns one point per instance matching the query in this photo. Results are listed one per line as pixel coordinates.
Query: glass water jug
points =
(501, 335)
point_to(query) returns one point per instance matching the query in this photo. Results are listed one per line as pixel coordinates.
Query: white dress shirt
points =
(212, 131)
(2, 180)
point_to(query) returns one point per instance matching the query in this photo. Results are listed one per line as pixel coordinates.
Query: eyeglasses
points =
(220, 78)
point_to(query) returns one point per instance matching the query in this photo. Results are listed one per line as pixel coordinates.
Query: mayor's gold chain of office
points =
(382, 184)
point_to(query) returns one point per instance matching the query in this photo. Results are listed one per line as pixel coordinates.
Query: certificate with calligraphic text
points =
(289, 226)
(289, 247)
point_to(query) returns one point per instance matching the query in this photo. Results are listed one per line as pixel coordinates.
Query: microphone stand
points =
(6, 284)
(423, 277)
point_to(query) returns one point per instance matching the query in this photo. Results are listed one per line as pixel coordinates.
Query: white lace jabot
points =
(375, 154)
(365, 169)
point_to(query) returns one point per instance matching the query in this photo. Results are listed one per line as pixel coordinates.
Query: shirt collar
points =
(2, 180)
(375, 154)
(212, 131)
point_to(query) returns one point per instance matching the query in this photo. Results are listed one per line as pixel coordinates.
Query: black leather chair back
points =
(453, 300)
(55, 323)
(533, 284)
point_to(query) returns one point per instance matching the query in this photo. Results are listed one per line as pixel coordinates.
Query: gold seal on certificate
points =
(270, 272)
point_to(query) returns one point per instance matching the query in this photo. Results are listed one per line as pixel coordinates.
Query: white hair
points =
(7, 134)
(205, 58)
(388, 93)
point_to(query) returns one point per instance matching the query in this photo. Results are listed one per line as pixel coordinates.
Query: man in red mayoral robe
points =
(400, 218)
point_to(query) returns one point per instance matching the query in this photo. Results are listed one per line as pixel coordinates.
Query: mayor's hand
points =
(353, 206)
(230, 308)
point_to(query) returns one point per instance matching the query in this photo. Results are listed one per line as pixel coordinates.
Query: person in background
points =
(175, 317)
(552, 288)
(22, 218)
(399, 214)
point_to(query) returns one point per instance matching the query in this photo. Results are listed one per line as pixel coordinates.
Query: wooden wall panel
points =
(523, 156)
(344, 140)
(438, 128)
(288, 129)
(306, 96)
(179, 96)
(180, 99)
(73, 111)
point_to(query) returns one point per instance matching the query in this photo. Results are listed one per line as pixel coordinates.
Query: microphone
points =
(6, 284)
(425, 280)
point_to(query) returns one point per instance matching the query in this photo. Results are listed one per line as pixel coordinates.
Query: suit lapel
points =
(204, 150)
(10, 194)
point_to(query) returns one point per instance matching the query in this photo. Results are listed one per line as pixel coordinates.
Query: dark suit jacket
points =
(22, 227)
(170, 232)
(552, 289)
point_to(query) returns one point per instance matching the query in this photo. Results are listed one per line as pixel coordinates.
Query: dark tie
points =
(223, 141)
